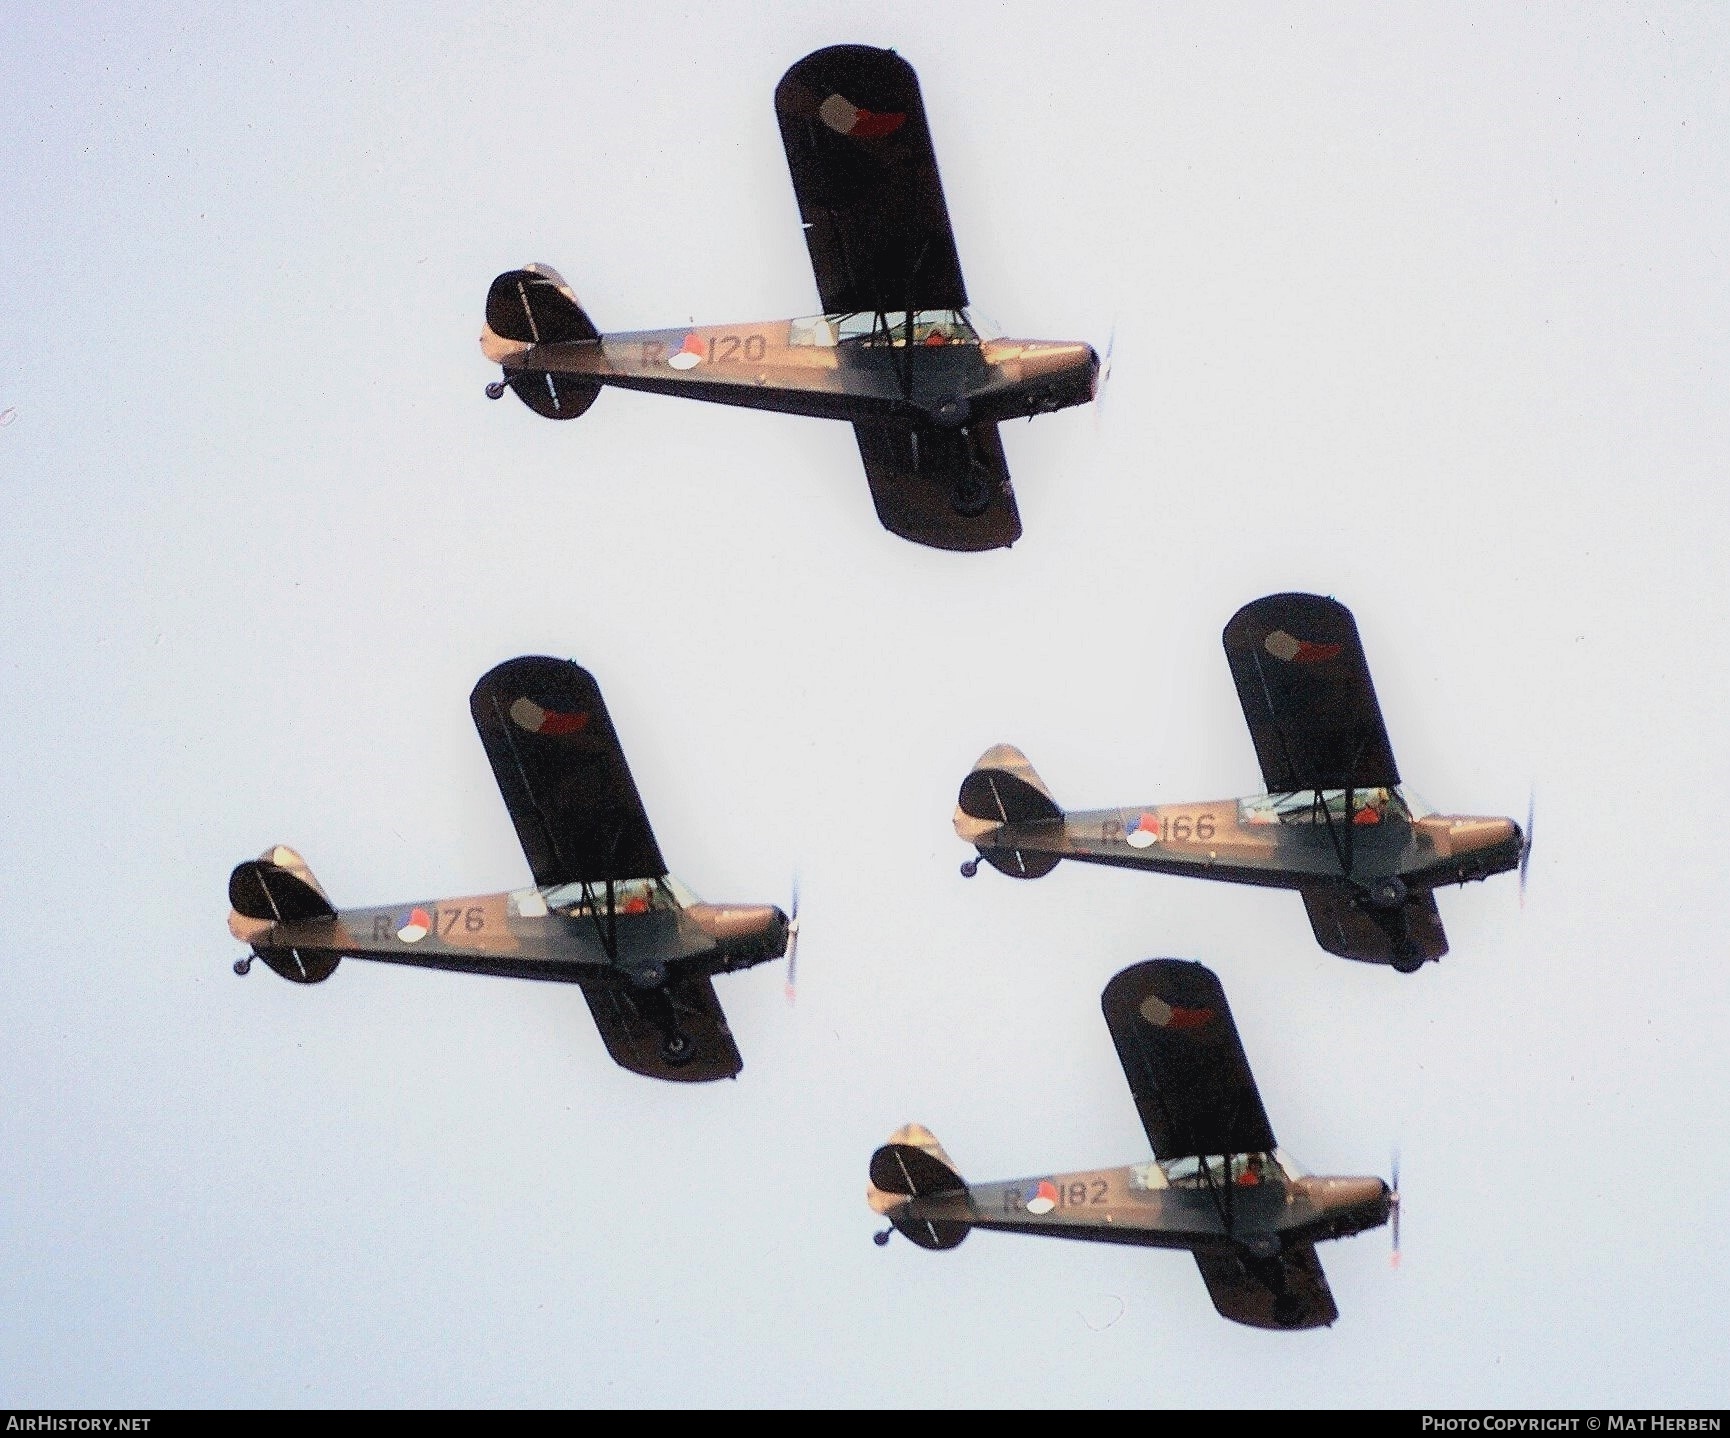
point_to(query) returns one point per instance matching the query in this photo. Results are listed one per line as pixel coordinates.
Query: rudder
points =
(913, 1165)
(279, 888)
(1003, 789)
(534, 306)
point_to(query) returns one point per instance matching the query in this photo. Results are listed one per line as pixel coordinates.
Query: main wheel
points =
(970, 868)
(971, 496)
(1407, 962)
(1388, 893)
(243, 967)
(880, 1239)
(496, 390)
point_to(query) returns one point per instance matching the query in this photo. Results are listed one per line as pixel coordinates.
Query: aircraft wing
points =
(913, 491)
(562, 773)
(1306, 695)
(635, 1041)
(853, 125)
(1184, 1061)
(1343, 928)
(1288, 1291)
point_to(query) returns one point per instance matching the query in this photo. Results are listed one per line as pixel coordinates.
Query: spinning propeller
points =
(1104, 377)
(1526, 842)
(1394, 1213)
(792, 987)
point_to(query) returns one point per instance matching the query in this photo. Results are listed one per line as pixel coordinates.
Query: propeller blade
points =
(1104, 376)
(1526, 841)
(1394, 1213)
(792, 987)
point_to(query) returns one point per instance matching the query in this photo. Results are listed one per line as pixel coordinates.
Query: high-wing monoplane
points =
(895, 351)
(1334, 825)
(603, 912)
(1219, 1185)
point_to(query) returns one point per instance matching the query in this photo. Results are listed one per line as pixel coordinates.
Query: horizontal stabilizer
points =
(535, 306)
(1003, 789)
(265, 890)
(554, 396)
(300, 966)
(278, 888)
(913, 1165)
(1020, 863)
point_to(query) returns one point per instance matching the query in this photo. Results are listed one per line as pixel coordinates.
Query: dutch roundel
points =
(845, 118)
(1044, 1198)
(526, 714)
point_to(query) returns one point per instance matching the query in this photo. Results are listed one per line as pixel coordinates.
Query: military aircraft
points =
(895, 352)
(1334, 825)
(1219, 1185)
(603, 913)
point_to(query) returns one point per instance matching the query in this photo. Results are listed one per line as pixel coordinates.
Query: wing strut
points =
(607, 925)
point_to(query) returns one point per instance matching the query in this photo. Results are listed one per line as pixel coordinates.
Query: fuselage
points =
(1140, 1205)
(543, 934)
(1281, 841)
(831, 366)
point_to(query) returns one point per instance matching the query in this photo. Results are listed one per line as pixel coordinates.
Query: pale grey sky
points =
(1421, 306)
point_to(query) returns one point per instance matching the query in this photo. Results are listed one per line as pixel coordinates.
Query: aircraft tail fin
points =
(534, 306)
(279, 888)
(1004, 789)
(913, 1165)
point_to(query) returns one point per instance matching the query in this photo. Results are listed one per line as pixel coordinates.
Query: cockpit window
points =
(1368, 806)
(1244, 1170)
(932, 328)
(630, 896)
(816, 332)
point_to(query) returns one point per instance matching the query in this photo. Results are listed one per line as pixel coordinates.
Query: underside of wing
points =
(1307, 697)
(1287, 1291)
(948, 488)
(865, 174)
(562, 774)
(1184, 1061)
(636, 1042)
(1346, 926)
